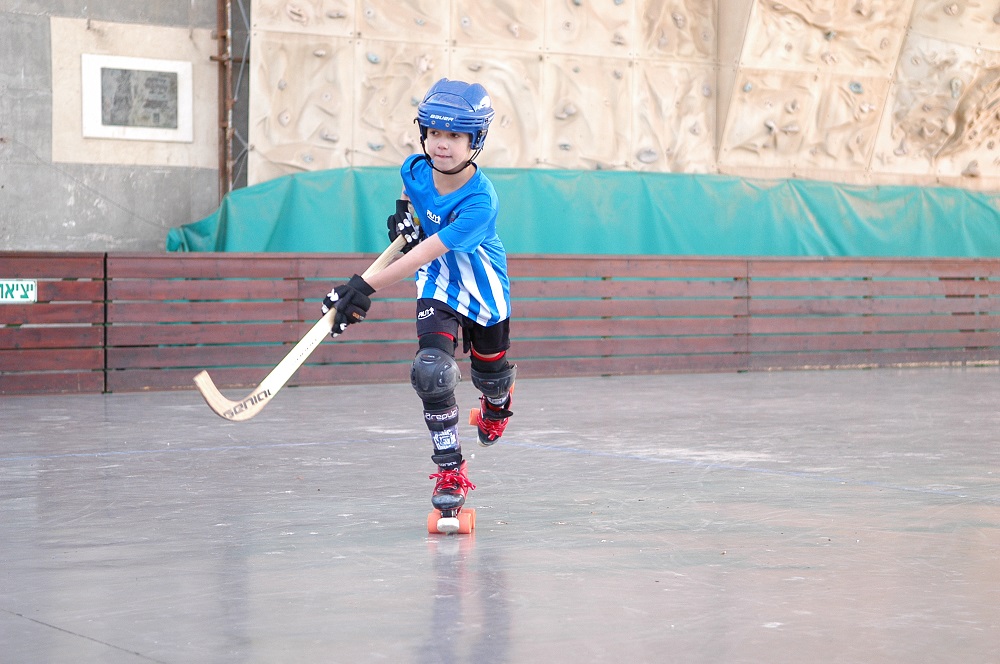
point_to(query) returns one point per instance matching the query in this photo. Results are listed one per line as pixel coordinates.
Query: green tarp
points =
(617, 212)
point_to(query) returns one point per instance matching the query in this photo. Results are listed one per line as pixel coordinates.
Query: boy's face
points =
(448, 149)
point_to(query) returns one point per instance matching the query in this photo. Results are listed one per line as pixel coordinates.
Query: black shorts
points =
(437, 317)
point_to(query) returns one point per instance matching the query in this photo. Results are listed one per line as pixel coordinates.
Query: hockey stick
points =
(239, 411)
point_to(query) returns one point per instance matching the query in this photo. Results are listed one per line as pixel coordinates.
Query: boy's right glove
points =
(401, 223)
(351, 300)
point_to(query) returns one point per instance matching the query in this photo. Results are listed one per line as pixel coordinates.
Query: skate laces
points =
(493, 419)
(493, 428)
(451, 479)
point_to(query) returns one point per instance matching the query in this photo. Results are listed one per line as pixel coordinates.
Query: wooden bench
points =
(165, 317)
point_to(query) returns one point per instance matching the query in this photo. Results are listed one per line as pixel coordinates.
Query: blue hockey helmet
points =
(456, 106)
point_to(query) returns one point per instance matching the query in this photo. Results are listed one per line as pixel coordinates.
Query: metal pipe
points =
(224, 56)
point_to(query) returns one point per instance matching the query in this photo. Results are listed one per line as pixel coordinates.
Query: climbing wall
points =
(853, 91)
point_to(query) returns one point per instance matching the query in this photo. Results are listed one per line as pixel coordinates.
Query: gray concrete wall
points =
(62, 206)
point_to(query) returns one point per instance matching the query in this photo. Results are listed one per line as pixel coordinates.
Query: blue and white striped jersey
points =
(472, 277)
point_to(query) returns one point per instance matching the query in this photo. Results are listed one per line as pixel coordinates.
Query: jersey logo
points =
(433, 217)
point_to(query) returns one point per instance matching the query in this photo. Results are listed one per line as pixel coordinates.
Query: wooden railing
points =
(57, 343)
(126, 322)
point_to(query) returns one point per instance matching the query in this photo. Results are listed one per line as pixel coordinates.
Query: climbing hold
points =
(568, 111)
(647, 156)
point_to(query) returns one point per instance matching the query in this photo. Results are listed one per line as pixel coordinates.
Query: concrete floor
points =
(789, 517)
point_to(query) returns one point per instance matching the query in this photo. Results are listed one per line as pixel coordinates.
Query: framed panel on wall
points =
(139, 99)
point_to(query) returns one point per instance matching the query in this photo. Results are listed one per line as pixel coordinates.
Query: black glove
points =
(401, 223)
(351, 300)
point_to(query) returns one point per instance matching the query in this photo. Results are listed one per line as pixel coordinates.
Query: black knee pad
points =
(495, 384)
(434, 375)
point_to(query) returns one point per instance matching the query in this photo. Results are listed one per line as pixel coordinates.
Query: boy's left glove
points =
(351, 300)
(401, 223)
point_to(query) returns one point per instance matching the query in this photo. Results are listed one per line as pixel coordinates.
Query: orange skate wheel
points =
(464, 522)
(432, 521)
(474, 417)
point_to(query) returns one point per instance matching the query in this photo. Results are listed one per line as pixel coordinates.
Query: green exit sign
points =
(18, 291)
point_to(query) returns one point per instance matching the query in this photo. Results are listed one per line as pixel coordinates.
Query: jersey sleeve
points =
(469, 229)
(406, 170)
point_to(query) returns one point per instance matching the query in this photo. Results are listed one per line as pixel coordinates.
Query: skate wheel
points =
(474, 417)
(464, 522)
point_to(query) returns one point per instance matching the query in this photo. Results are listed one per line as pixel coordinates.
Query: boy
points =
(461, 278)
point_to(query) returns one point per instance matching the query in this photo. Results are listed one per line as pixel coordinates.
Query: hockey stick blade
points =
(253, 403)
(220, 405)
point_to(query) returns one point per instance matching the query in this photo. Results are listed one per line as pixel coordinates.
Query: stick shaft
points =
(248, 407)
